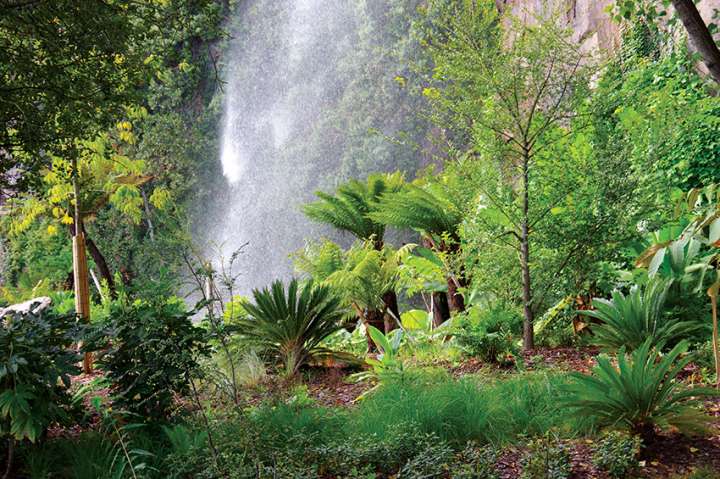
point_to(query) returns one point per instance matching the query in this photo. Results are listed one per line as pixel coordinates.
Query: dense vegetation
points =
(550, 310)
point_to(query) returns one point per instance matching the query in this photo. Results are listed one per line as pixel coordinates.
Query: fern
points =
(349, 208)
(428, 210)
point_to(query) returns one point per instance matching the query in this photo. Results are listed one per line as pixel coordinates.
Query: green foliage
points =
(628, 321)
(152, 353)
(367, 274)
(546, 458)
(463, 410)
(640, 394)
(429, 210)
(490, 333)
(617, 454)
(349, 208)
(475, 462)
(291, 324)
(387, 366)
(37, 362)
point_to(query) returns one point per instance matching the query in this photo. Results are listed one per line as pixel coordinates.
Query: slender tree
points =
(512, 87)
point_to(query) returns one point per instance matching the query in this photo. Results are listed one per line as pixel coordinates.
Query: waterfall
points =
(310, 99)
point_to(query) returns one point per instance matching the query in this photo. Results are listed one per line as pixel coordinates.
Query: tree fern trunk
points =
(392, 311)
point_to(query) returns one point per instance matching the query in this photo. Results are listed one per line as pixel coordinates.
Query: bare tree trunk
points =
(80, 267)
(10, 458)
(713, 291)
(528, 334)
(101, 264)
(440, 308)
(699, 35)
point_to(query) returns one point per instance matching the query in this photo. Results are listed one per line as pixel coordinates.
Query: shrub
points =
(475, 462)
(640, 394)
(546, 458)
(36, 364)
(617, 454)
(489, 333)
(291, 325)
(152, 353)
(628, 321)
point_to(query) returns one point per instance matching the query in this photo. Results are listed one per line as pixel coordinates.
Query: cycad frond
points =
(292, 324)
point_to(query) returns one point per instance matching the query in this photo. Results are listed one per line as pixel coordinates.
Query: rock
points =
(33, 306)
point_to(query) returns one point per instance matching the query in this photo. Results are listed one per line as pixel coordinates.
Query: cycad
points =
(350, 207)
(291, 324)
(627, 321)
(641, 393)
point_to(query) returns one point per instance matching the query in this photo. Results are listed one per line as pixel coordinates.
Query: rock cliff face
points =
(592, 27)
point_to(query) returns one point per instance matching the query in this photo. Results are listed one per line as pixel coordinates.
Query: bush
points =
(37, 363)
(152, 353)
(489, 333)
(628, 321)
(617, 454)
(475, 462)
(291, 325)
(640, 394)
(546, 458)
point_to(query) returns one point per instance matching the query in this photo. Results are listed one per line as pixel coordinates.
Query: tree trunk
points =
(699, 35)
(10, 457)
(455, 298)
(392, 313)
(713, 291)
(528, 334)
(101, 264)
(374, 318)
(440, 309)
(80, 267)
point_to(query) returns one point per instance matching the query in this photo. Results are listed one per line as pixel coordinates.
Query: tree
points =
(67, 70)
(362, 275)
(430, 210)
(512, 87)
(349, 209)
(698, 31)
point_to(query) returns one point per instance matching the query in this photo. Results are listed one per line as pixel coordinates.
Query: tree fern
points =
(428, 209)
(349, 208)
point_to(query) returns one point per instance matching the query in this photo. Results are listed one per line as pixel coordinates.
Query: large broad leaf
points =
(416, 319)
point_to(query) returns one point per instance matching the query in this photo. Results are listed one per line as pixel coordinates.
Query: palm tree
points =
(430, 211)
(349, 209)
(291, 325)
